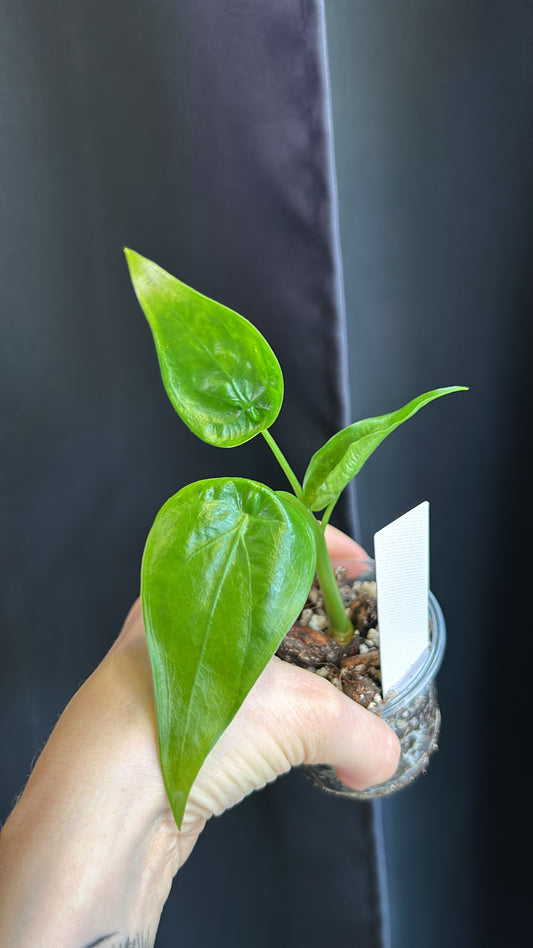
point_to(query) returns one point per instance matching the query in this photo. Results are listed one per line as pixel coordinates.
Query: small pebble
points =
(372, 636)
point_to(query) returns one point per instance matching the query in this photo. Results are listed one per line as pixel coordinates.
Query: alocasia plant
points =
(229, 562)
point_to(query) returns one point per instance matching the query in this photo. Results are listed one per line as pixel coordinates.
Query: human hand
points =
(291, 717)
(91, 848)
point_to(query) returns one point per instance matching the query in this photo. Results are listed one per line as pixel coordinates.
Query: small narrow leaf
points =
(342, 457)
(218, 370)
(226, 570)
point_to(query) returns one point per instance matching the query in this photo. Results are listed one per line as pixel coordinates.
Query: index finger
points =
(341, 546)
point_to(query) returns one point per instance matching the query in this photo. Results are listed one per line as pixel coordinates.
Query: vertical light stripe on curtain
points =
(198, 133)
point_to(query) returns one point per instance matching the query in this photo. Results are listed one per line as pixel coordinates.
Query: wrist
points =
(91, 847)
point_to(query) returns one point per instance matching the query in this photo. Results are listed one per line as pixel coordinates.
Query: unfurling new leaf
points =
(333, 467)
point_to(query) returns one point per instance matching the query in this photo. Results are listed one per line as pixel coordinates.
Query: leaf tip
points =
(132, 257)
(453, 388)
(178, 789)
(177, 805)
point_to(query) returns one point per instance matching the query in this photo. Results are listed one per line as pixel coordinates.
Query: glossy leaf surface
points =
(218, 370)
(226, 570)
(342, 457)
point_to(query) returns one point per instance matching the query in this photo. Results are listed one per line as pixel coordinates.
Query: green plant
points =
(228, 562)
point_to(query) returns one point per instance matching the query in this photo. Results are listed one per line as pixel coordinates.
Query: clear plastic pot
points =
(412, 713)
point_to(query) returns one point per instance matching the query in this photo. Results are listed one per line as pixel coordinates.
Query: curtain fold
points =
(197, 133)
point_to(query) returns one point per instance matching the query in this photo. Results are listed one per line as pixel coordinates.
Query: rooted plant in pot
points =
(412, 710)
(229, 563)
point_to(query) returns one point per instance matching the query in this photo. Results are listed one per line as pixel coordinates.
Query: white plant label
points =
(401, 552)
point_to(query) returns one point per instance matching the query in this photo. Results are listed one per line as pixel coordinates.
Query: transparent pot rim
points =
(429, 666)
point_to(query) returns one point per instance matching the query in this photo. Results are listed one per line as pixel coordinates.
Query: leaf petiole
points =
(341, 629)
(284, 464)
(327, 513)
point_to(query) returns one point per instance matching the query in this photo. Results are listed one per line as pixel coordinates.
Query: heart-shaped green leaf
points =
(342, 457)
(218, 370)
(226, 570)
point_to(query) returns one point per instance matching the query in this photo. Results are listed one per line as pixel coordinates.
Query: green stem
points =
(340, 627)
(327, 513)
(282, 461)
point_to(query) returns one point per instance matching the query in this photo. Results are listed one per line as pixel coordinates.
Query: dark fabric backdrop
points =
(198, 134)
(433, 119)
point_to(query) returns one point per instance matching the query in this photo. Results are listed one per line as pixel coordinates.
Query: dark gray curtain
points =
(433, 119)
(197, 133)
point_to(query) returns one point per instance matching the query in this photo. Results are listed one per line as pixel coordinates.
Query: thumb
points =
(292, 717)
(361, 747)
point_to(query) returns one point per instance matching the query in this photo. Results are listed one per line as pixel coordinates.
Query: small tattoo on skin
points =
(140, 941)
(100, 941)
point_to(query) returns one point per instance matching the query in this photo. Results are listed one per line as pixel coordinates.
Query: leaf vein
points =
(230, 558)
